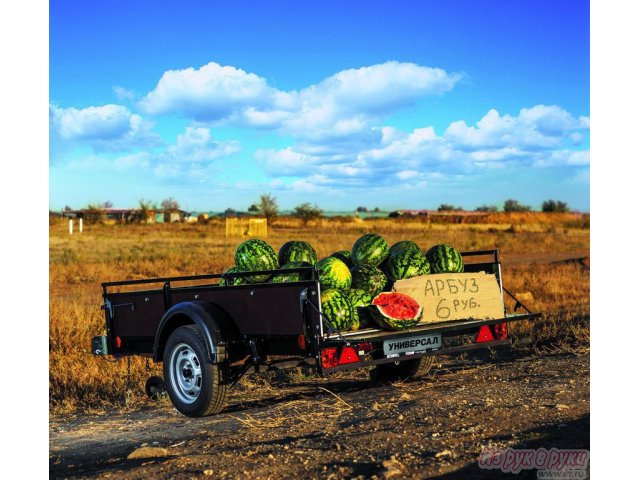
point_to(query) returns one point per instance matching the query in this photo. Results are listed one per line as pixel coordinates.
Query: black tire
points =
(155, 388)
(194, 384)
(398, 371)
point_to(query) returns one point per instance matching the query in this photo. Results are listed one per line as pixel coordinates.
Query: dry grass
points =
(79, 263)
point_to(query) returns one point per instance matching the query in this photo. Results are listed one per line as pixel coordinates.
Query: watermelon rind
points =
(254, 255)
(333, 273)
(406, 263)
(232, 282)
(403, 245)
(388, 322)
(337, 308)
(297, 251)
(444, 259)
(345, 256)
(370, 249)
(283, 277)
(360, 300)
(368, 278)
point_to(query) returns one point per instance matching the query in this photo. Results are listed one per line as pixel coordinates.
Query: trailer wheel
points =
(194, 384)
(155, 388)
(390, 372)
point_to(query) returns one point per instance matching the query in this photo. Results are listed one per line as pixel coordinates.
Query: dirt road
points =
(344, 428)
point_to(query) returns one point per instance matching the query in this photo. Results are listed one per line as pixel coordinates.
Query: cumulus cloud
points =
(197, 145)
(344, 105)
(105, 128)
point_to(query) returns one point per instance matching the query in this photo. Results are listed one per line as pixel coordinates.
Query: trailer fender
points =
(208, 317)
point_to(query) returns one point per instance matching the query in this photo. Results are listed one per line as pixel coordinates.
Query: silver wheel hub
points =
(185, 373)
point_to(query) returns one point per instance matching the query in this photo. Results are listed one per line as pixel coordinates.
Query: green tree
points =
(93, 213)
(142, 213)
(555, 206)
(170, 204)
(268, 206)
(487, 208)
(512, 205)
(253, 208)
(306, 212)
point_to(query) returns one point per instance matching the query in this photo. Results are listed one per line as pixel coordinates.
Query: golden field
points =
(533, 246)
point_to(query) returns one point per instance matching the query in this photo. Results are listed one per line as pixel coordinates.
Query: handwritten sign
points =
(455, 296)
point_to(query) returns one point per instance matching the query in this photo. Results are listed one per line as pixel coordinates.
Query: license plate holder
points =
(411, 345)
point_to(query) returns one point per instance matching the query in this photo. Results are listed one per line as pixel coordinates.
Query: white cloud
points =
(105, 128)
(124, 94)
(196, 145)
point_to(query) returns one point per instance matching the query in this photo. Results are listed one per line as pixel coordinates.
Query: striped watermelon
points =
(229, 282)
(359, 301)
(333, 273)
(368, 278)
(371, 249)
(253, 255)
(297, 251)
(404, 245)
(345, 256)
(337, 308)
(292, 277)
(444, 259)
(395, 311)
(406, 264)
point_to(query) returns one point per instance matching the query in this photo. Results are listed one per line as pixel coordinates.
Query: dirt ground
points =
(432, 427)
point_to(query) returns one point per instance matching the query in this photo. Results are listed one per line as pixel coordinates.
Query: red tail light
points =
(501, 331)
(364, 347)
(484, 335)
(329, 357)
(348, 355)
(118, 342)
(302, 343)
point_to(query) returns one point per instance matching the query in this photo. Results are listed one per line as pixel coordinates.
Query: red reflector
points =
(329, 357)
(302, 343)
(118, 342)
(501, 331)
(484, 335)
(348, 355)
(365, 347)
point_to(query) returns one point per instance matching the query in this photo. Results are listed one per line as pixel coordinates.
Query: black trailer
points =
(208, 335)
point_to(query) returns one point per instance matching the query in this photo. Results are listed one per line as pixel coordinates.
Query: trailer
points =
(207, 336)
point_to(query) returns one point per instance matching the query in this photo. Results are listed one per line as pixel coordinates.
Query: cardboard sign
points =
(455, 296)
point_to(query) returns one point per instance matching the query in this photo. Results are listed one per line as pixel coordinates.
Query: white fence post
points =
(80, 227)
(71, 226)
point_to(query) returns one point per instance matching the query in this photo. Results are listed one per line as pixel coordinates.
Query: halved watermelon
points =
(395, 310)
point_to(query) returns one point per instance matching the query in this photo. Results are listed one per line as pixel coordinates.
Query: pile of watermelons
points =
(355, 284)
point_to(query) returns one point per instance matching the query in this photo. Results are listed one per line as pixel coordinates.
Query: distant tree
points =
(446, 208)
(229, 212)
(514, 206)
(268, 206)
(170, 204)
(67, 208)
(487, 208)
(93, 213)
(306, 212)
(107, 204)
(142, 213)
(362, 209)
(555, 206)
(253, 208)
(376, 210)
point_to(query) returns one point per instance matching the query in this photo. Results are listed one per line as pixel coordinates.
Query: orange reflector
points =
(302, 343)
(348, 355)
(484, 335)
(329, 357)
(501, 331)
(118, 342)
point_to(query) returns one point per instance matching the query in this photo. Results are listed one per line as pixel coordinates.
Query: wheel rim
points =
(185, 372)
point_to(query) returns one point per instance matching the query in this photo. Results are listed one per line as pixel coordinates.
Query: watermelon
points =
(368, 278)
(292, 277)
(229, 282)
(444, 259)
(333, 273)
(395, 311)
(371, 249)
(337, 308)
(359, 301)
(345, 256)
(297, 251)
(404, 245)
(253, 255)
(406, 264)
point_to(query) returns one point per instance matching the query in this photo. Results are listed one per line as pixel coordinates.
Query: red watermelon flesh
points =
(395, 310)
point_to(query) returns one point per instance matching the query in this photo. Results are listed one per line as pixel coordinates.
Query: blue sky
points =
(390, 104)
